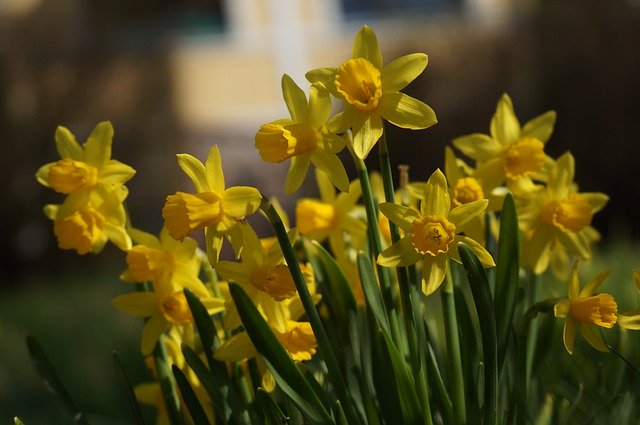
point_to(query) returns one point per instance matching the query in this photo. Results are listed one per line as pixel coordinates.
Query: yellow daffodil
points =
(161, 259)
(371, 92)
(331, 216)
(82, 168)
(510, 154)
(87, 220)
(165, 306)
(264, 277)
(556, 222)
(304, 138)
(212, 207)
(631, 319)
(433, 233)
(584, 308)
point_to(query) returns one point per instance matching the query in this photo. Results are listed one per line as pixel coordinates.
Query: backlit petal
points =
(569, 334)
(295, 99)
(505, 127)
(400, 215)
(436, 199)
(67, 146)
(403, 70)
(241, 201)
(479, 147)
(194, 169)
(407, 112)
(593, 337)
(319, 109)
(297, 172)
(332, 167)
(151, 333)
(464, 213)
(366, 46)
(366, 134)
(213, 169)
(540, 127)
(97, 150)
(400, 254)
(434, 270)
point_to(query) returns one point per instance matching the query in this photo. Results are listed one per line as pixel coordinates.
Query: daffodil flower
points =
(371, 92)
(161, 259)
(584, 309)
(433, 233)
(87, 220)
(304, 138)
(212, 207)
(164, 307)
(556, 222)
(264, 277)
(511, 153)
(82, 168)
(331, 216)
(631, 319)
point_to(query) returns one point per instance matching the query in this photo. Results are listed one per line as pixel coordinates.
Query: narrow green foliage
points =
(189, 396)
(128, 391)
(284, 370)
(167, 387)
(271, 412)
(507, 273)
(372, 292)
(53, 384)
(204, 325)
(484, 306)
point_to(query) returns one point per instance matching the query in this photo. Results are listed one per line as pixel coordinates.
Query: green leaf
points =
(486, 316)
(189, 396)
(271, 411)
(394, 385)
(507, 273)
(372, 291)
(285, 372)
(53, 384)
(204, 325)
(167, 387)
(128, 390)
(17, 421)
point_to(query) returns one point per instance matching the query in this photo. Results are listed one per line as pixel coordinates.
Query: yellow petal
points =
(319, 109)
(325, 77)
(464, 213)
(561, 176)
(574, 282)
(505, 127)
(366, 133)
(194, 169)
(452, 171)
(67, 146)
(540, 127)
(403, 70)
(434, 270)
(407, 112)
(151, 332)
(490, 173)
(236, 348)
(294, 98)
(436, 199)
(118, 236)
(115, 173)
(535, 250)
(366, 46)
(479, 147)
(97, 150)
(483, 255)
(139, 304)
(591, 287)
(213, 167)
(597, 200)
(213, 244)
(297, 172)
(630, 320)
(326, 189)
(561, 309)
(400, 215)
(400, 254)
(569, 334)
(143, 238)
(593, 337)
(332, 167)
(241, 201)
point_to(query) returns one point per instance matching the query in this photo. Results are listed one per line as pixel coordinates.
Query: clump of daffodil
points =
(86, 221)
(165, 306)
(154, 259)
(82, 168)
(432, 234)
(331, 217)
(586, 308)
(213, 207)
(304, 138)
(510, 154)
(556, 222)
(265, 278)
(371, 92)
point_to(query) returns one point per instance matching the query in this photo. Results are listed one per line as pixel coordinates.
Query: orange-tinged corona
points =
(359, 82)
(432, 234)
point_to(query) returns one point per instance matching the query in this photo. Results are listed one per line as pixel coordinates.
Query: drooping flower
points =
(510, 154)
(371, 92)
(432, 234)
(304, 138)
(87, 220)
(82, 168)
(585, 308)
(212, 207)
(556, 223)
(265, 278)
(331, 216)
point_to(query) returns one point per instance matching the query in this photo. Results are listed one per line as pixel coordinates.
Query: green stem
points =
(417, 365)
(532, 337)
(376, 246)
(453, 349)
(335, 375)
(167, 386)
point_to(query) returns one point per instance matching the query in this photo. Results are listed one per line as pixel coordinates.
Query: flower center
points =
(175, 308)
(313, 217)
(79, 231)
(600, 309)
(467, 190)
(279, 142)
(185, 212)
(573, 213)
(67, 175)
(359, 82)
(146, 264)
(432, 234)
(274, 280)
(299, 340)
(523, 158)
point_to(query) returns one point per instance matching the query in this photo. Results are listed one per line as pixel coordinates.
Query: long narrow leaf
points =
(270, 410)
(128, 391)
(189, 396)
(204, 325)
(372, 291)
(53, 383)
(285, 372)
(508, 269)
(484, 306)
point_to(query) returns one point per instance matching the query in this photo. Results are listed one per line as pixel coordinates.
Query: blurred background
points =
(181, 75)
